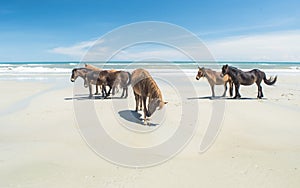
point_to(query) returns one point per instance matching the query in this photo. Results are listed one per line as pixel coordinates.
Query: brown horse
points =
(94, 68)
(145, 87)
(108, 78)
(240, 77)
(214, 78)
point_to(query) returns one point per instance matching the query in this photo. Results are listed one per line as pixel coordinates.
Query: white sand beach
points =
(258, 145)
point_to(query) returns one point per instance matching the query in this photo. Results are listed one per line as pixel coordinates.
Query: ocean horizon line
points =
(146, 61)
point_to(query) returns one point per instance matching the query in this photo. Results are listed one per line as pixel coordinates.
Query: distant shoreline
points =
(48, 70)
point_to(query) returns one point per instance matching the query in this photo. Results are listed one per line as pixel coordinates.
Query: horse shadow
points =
(223, 98)
(86, 97)
(133, 116)
(204, 98)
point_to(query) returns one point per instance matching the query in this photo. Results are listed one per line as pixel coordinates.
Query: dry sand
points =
(258, 145)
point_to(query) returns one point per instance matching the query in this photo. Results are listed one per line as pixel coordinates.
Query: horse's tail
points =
(270, 81)
(129, 79)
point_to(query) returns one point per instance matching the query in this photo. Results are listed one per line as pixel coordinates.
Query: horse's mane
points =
(155, 91)
(234, 68)
(81, 68)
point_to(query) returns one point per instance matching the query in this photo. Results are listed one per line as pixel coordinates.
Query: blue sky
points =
(36, 30)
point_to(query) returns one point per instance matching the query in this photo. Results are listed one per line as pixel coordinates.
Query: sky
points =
(233, 30)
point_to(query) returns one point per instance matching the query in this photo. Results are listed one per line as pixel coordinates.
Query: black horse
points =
(240, 77)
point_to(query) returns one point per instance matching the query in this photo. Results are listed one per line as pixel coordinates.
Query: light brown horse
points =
(81, 72)
(145, 87)
(214, 78)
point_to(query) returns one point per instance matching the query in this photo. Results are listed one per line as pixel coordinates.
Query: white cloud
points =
(284, 46)
(74, 51)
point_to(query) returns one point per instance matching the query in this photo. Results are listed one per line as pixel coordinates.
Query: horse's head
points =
(155, 104)
(225, 70)
(200, 73)
(74, 75)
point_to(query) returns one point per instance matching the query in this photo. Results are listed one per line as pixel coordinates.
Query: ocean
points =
(44, 70)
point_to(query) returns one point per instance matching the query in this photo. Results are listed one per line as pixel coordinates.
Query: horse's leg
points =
(141, 103)
(145, 109)
(90, 90)
(108, 93)
(231, 88)
(137, 100)
(212, 86)
(225, 89)
(104, 92)
(97, 92)
(260, 93)
(123, 92)
(237, 93)
(126, 92)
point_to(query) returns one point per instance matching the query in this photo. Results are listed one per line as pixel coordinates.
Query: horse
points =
(94, 68)
(240, 77)
(144, 87)
(81, 72)
(214, 78)
(108, 78)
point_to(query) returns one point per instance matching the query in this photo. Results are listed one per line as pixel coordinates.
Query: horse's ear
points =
(199, 67)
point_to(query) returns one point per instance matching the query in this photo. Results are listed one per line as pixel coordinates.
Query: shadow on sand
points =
(86, 97)
(133, 116)
(223, 98)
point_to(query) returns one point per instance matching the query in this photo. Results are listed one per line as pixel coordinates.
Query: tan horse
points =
(214, 78)
(145, 87)
(81, 72)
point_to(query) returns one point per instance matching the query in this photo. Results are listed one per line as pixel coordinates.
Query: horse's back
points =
(141, 81)
(92, 67)
(139, 75)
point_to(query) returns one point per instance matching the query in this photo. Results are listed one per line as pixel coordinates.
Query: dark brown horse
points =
(240, 77)
(145, 87)
(214, 78)
(108, 78)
